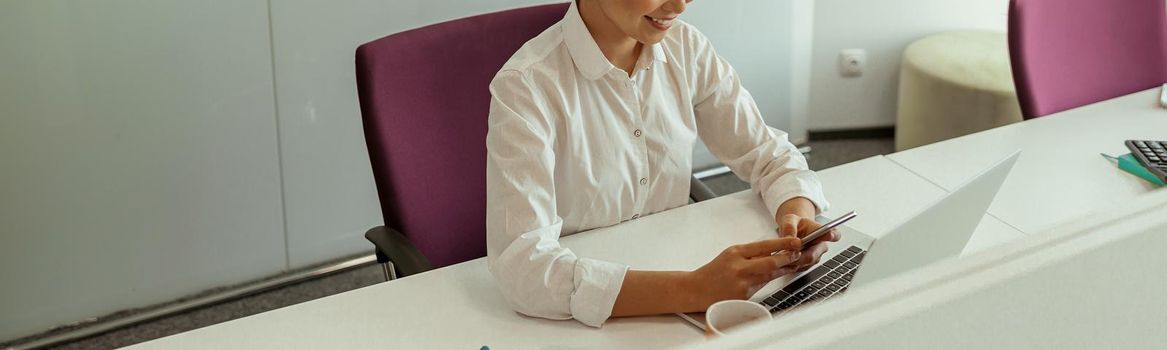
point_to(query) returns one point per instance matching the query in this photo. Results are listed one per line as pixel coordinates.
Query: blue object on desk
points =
(1131, 165)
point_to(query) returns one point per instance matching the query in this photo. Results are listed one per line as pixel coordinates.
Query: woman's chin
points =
(651, 38)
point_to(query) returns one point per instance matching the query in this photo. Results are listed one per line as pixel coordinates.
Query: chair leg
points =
(389, 270)
(387, 266)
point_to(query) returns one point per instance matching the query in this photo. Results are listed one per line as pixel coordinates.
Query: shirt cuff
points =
(803, 184)
(597, 284)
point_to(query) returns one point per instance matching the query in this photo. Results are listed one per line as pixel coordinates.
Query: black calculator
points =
(1152, 155)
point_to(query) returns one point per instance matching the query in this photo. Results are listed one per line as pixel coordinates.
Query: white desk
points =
(1060, 174)
(460, 307)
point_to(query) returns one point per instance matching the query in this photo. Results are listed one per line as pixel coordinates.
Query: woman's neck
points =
(620, 49)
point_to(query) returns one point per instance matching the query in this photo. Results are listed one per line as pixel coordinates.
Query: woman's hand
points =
(794, 226)
(741, 270)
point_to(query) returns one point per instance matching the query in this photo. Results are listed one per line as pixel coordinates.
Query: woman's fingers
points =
(797, 226)
(809, 226)
(832, 236)
(806, 226)
(768, 247)
(788, 225)
(836, 235)
(811, 256)
(769, 265)
(763, 264)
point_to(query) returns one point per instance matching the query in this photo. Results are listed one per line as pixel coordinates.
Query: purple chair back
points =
(425, 98)
(1070, 53)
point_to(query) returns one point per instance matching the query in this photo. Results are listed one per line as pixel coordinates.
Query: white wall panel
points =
(138, 156)
(801, 63)
(755, 37)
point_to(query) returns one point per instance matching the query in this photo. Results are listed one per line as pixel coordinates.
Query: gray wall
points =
(884, 28)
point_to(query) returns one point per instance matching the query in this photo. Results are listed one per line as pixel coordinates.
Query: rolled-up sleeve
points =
(730, 124)
(537, 275)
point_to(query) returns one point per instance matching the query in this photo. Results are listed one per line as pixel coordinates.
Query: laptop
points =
(938, 232)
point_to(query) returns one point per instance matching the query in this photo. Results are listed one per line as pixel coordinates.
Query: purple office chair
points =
(425, 99)
(1071, 53)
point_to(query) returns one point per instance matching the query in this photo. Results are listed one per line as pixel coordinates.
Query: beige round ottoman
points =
(953, 84)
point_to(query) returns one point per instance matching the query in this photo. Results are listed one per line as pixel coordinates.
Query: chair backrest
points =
(425, 98)
(1070, 53)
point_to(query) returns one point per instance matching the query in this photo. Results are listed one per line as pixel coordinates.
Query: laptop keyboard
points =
(828, 279)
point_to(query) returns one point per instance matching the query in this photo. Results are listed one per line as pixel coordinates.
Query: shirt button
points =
(636, 133)
(644, 181)
(635, 216)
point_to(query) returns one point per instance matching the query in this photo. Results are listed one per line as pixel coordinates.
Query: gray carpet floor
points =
(825, 154)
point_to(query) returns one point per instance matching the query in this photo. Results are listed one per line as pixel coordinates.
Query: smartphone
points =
(827, 228)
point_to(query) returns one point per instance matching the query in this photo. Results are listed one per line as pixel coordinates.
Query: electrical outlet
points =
(853, 62)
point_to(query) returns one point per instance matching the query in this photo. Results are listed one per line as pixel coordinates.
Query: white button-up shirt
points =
(576, 144)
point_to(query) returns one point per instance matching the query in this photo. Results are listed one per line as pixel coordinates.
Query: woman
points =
(593, 123)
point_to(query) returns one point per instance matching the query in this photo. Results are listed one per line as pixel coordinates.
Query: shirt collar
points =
(658, 53)
(585, 52)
